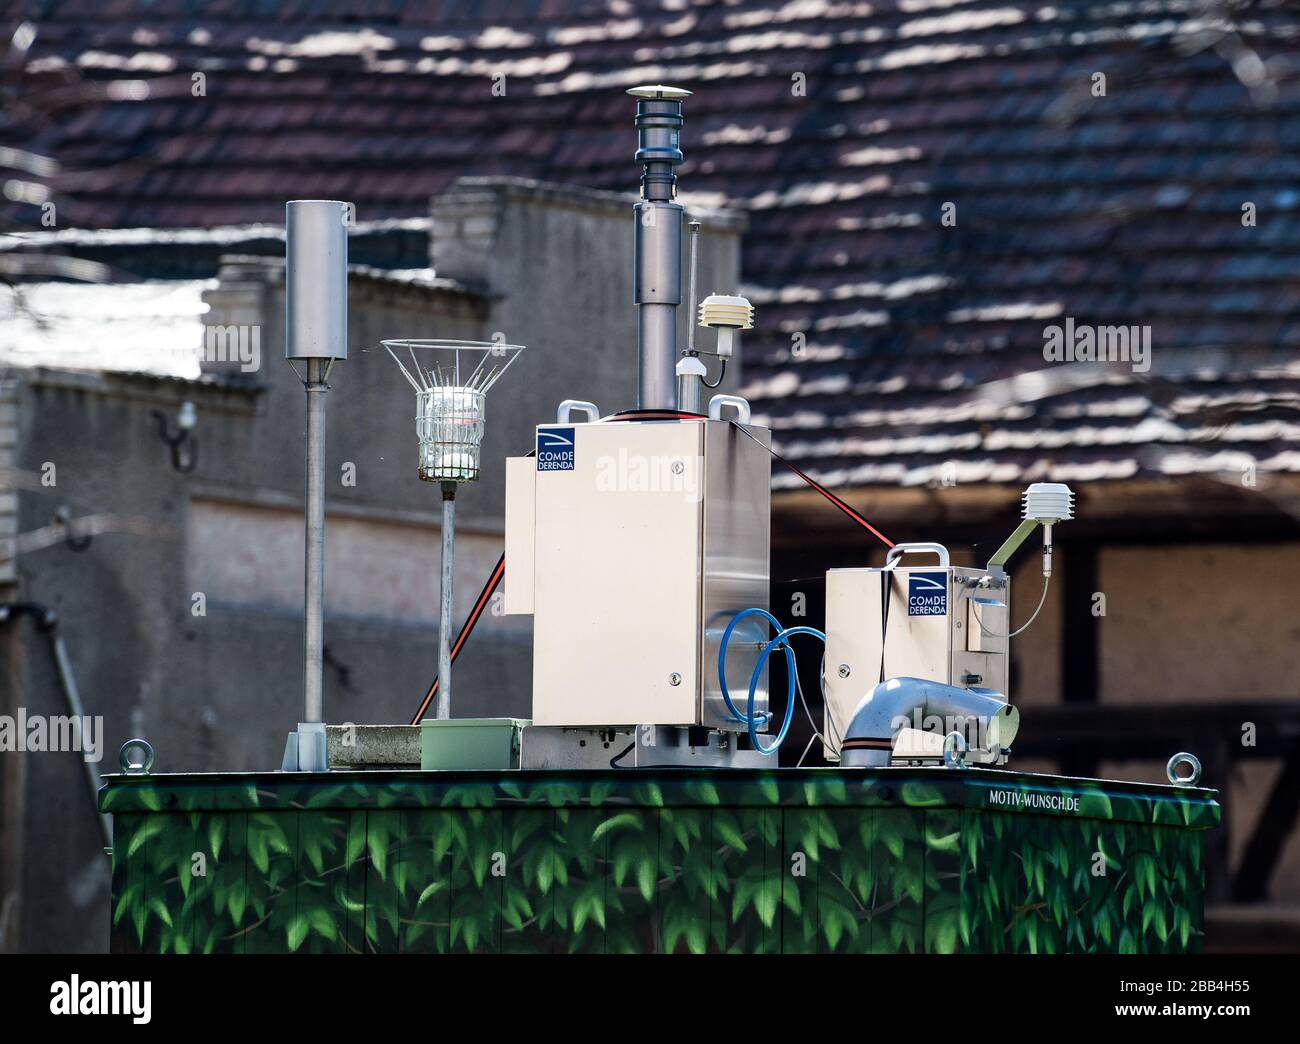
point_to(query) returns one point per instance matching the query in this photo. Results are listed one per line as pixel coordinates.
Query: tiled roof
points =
(843, 128)
(195, 253)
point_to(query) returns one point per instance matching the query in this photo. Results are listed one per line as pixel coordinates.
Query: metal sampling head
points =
(657, 244)
(659, 125)
(316, 279)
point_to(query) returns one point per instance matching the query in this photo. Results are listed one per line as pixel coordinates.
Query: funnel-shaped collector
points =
(451, 380)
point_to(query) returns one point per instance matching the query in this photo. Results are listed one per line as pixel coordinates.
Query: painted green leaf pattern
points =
(741, 862)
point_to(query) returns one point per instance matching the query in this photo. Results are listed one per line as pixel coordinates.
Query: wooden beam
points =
(1080, 642)
(1276, 822)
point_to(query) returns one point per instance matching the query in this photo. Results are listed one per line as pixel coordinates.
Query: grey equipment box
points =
(933, 633)
(633, 544)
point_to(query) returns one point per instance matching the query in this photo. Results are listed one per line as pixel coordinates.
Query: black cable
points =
(613, 762)
(887, 585)
(721, 376)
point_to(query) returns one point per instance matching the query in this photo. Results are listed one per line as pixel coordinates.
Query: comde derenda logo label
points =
(75, 997)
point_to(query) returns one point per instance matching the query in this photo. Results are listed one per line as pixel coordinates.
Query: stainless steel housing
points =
(633, 559)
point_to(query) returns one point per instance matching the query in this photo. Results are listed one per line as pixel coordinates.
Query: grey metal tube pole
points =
(315, 333)
(694, 229)
(657, 270)
(442, 709)
(73, 700)
(313, 644)
(657, 291)
(656, 377)
(48, 622)
(688, 384)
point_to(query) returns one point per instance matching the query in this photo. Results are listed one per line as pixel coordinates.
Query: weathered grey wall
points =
(221, 690)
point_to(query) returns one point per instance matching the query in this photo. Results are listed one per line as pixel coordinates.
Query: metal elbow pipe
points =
(900, 702)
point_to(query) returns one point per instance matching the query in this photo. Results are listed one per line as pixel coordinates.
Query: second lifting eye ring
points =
(954, 750)
(136, 757)
(1179, 761)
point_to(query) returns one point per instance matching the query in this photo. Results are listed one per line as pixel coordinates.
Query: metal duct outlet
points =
(868, 741)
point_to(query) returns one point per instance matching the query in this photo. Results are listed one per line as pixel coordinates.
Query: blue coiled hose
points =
(752, 720)
(744, 614)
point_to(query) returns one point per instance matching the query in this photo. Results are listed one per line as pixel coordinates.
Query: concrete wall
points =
(219, 689)
(1200, 623)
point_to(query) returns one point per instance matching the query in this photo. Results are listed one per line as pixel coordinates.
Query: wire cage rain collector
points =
(451, 381)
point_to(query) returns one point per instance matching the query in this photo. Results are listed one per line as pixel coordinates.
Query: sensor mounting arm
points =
(1012, 544)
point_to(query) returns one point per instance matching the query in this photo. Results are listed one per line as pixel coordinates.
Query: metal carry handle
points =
(566, 408)
(741, 406)
(917, 547)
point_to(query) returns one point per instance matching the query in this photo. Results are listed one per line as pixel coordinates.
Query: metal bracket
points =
(1009, 546)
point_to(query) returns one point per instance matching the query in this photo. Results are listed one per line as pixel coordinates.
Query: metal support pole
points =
(72, 697)
(315, 332)
(694, 229)
(313, 645)
(688, 375)
(442, 709)
(657, 291)
(47, 620)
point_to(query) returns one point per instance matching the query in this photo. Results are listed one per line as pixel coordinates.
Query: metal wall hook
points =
(185, 450)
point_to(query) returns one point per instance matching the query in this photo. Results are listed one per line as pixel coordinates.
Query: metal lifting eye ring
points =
(131, 766)
(1178, 761)
(954, 751)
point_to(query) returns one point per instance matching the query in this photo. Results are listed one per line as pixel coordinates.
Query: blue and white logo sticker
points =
(554, 449)
(927, 594)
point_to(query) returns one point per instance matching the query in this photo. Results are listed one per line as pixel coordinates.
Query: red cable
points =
(822, 490)
(492, 581)
(631, 415)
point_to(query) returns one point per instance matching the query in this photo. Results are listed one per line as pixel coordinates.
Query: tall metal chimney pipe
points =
(316, 327)
(657, 276)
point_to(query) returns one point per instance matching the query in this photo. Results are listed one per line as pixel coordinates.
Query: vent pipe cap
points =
(659, 91)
